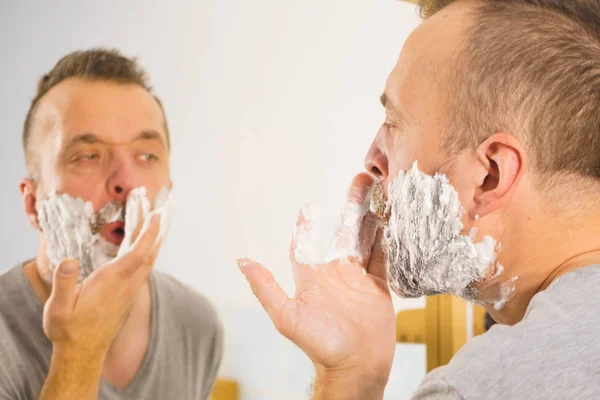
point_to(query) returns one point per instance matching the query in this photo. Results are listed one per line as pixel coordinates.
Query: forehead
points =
(115, 112)
(427, 57)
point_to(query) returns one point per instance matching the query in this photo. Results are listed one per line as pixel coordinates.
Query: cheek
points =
(465, 196)
(464, 191)
(88, 189)
(154, 183)
(153, 180)
(400, 158)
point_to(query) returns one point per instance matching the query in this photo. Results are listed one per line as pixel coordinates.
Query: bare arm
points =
(348, 385)
(342, 314)
(82, 320)
(73, 375)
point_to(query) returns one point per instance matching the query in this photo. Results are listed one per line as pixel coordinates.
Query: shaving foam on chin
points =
(71, 227)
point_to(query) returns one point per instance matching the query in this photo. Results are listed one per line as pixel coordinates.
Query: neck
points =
(542, 254)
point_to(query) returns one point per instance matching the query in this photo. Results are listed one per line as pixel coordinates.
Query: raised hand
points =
(342, 315)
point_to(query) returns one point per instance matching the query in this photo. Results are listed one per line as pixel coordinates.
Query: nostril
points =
(376, 171)
(118, 189)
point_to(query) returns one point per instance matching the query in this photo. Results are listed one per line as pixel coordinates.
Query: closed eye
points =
(85, 157)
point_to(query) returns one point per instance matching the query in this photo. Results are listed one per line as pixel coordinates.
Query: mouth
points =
(114, 232)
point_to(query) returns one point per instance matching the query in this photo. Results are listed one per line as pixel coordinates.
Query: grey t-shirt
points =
(553, 353)
(181, 362)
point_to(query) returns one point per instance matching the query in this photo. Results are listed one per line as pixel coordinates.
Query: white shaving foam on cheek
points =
(426, 252)
(66, 223)
(69, 223)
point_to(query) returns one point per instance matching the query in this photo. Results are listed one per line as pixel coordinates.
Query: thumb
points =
(281, 309)
(377, 261)
(64, 286)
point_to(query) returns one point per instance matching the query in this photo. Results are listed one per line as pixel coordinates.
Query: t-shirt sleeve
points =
(214, 360)
(435, 387)
(8, 374)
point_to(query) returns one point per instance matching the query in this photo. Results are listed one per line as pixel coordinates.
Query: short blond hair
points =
(530, 68)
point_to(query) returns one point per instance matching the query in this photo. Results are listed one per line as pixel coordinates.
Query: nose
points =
(376, 162)
(121, 178)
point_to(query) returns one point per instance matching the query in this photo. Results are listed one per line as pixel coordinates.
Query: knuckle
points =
(57, 315)
(140, 258)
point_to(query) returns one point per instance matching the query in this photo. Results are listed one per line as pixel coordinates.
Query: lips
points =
(114, 232)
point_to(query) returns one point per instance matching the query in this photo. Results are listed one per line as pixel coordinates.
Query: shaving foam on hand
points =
(305, 235)
(346, 244)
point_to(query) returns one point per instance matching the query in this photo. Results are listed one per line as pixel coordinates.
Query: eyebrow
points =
(151, 135)
(388, 105)
(86, 138)
(90, 138)
(383, 99)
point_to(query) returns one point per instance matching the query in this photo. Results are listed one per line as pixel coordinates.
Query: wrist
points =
(74, 359)
(348, 384)
(73, 373)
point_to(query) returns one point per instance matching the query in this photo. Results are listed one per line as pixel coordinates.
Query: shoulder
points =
(16, 304)
(185, 306)
(435, 387)
(12, 321)
(555, 338)
(11, 283)
(482, 366)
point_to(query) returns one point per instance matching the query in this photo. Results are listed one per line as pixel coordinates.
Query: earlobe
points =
(28, 190)
(503, 158)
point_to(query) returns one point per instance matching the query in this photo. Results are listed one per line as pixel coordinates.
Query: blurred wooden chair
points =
(225, 389)
(441, 326)
(410, 326)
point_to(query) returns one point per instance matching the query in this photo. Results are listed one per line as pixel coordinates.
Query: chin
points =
(101, 252)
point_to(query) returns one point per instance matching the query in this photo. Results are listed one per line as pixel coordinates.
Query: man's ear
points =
(503, 158)
(28, 189)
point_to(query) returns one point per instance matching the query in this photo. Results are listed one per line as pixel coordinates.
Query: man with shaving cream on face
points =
(485, 177)
(88, 318)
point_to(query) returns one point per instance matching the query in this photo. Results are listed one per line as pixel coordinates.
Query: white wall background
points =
(270, 102)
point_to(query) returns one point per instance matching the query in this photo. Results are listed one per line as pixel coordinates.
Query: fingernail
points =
(244, 262)
(67, 267)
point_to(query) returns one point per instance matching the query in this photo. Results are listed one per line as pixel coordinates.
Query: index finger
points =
(141, 254)
(347, 243)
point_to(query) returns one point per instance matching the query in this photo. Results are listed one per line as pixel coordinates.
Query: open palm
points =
(342, 315)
